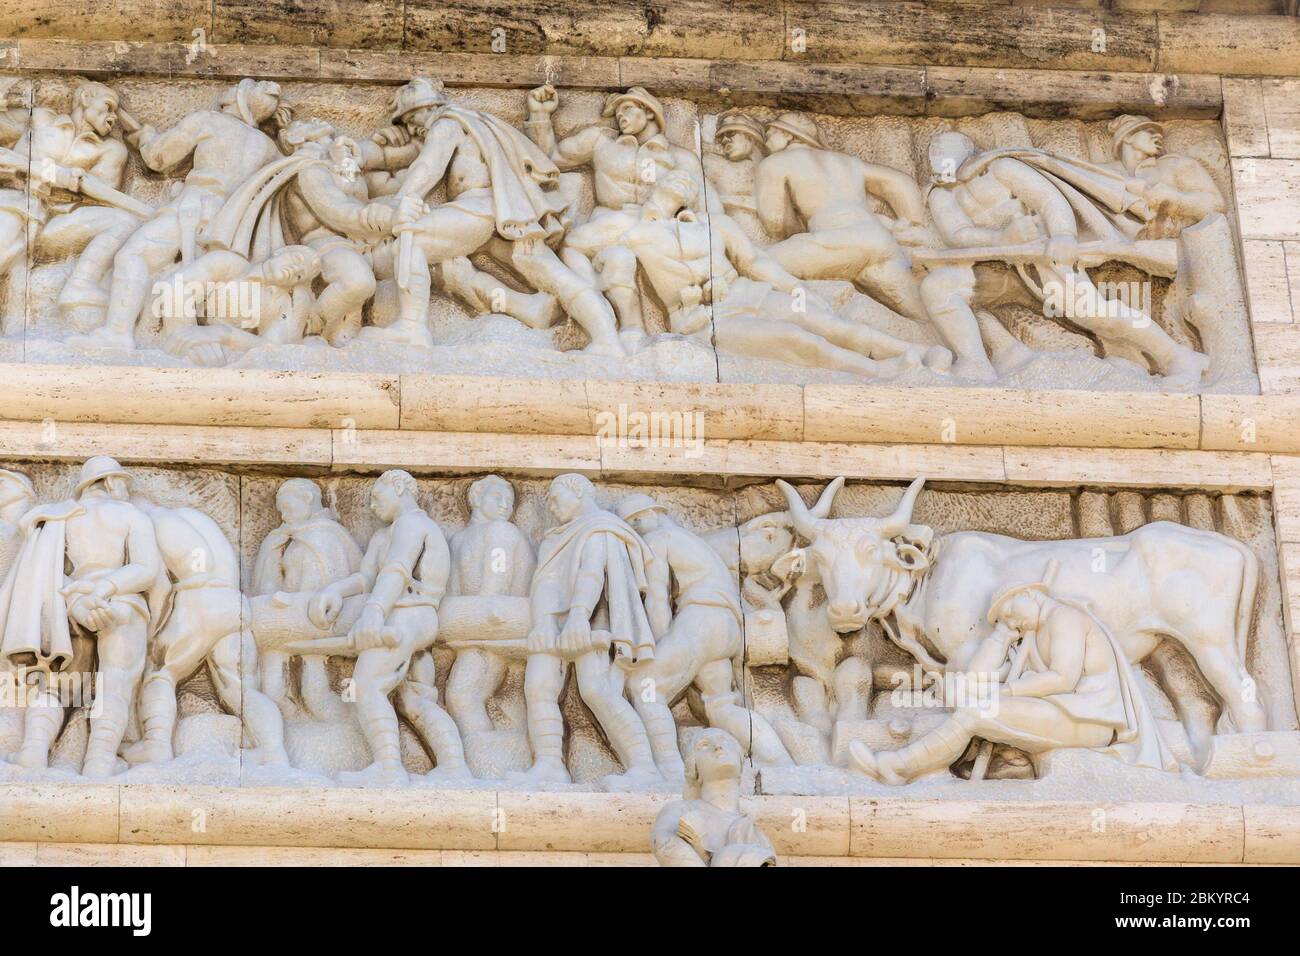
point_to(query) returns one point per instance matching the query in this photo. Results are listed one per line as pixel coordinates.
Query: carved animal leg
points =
(1177, 675)
(1242, 710)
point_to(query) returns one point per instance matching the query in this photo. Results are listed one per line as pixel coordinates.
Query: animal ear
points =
(791, 564)
(911, 558)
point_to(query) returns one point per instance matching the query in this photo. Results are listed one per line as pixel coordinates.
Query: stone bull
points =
(1161, 581)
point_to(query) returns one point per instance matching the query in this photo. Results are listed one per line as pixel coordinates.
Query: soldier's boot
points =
(158, 716)
(419, 704)
(43, 719)
(546, 734)
(628, 735)
(385, 746)
(935, 750)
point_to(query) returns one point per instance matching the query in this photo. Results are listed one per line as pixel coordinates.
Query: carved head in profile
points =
(253, 101)
(1019, 608)
(1139, 134)
(391, 491)
(634, 111)
(290, 267)
(304, 132)
(414, 104)
(642, 512)
(791, 129)
(491, 498)
(568, 496)
(738, 136)
(95, 105)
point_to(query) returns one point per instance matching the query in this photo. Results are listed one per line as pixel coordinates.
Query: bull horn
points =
(823, 506)
(897, 522)
(800, 517)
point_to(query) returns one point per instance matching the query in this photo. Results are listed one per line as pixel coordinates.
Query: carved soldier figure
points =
(1068, 684)
(627, 162)
(115, 592)
(307, 552)
(730, 173)
(403, 577)
(267, 302)
(1002, 202)
(706, 827)
(66, 158)
(500, 199)
(693, 605)
(1179, 191)
(205, 623)
(754, 311)
(490, 557)
(224, 147)
(830, 192)
(589, 558)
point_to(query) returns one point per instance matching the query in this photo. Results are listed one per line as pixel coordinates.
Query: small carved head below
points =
(714, 755)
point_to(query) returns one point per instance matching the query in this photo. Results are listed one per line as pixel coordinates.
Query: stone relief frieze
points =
(197, 626)
(561, 233)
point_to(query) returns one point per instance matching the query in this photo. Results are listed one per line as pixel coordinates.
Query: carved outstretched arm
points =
(955, 227)
(341, 212)
(166, 150)
(1034, 190)
(896, 188)
(571, 152)
(431, 165)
